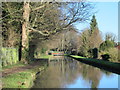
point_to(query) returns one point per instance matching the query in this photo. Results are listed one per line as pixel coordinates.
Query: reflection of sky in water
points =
(78, 84)
(109, 81)
(105, 82)
(70, 73)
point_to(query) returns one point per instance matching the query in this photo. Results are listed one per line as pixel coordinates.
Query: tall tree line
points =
(90, 39)
(22, 21)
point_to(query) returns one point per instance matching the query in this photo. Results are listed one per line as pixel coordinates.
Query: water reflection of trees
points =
(91, 75)
(58, 74)
(63, 72)
(106, 72)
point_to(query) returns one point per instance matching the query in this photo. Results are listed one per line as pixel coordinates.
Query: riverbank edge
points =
(31, 83)
(24, 79)
(109, 66)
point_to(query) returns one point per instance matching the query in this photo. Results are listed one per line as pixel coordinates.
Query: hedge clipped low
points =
(9, 56)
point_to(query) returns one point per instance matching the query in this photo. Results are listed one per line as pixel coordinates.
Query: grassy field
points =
(110, 66)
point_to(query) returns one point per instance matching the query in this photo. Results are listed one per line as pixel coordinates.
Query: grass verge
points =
(22, 79)
(18, 80)
(45, 56)
(107, 65)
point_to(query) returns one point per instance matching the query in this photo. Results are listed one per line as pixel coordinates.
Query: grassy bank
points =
(44, 56)
(22, 79)
(18, 80)
(110, 66)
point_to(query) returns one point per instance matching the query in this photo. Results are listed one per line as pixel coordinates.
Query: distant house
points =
(118, 46)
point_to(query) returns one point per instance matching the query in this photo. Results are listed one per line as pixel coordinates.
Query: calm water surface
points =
(64, 72)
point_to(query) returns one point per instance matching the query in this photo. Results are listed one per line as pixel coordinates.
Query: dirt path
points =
(19, 69)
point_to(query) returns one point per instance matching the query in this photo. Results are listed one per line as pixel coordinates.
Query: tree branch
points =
(38, 7)
(10, 14)
(34, 30)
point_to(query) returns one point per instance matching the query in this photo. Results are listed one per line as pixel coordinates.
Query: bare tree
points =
(110, 36)
(75, 12)
(48, 19)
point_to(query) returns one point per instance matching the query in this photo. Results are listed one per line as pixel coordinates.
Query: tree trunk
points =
(25, 41)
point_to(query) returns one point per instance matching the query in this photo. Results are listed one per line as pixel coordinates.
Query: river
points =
(65, 72)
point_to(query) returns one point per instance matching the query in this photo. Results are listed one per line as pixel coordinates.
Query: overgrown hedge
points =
(9, 56)
(113, 53)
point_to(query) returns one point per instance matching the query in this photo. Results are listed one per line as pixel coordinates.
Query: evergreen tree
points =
(93, 24)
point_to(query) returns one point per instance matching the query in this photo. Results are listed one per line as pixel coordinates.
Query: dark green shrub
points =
(43, 50)
(105, 57)
(95, 53)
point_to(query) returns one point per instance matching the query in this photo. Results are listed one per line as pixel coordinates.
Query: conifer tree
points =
(93, 24)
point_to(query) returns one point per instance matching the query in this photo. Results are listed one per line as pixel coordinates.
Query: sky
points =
(106, 16)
